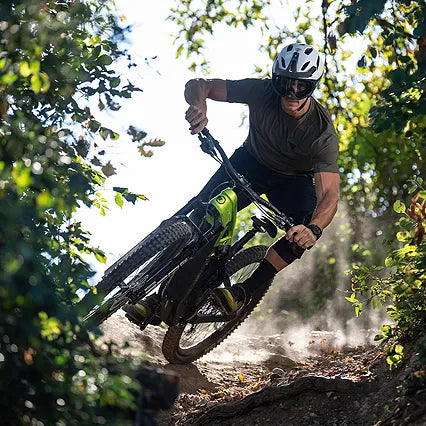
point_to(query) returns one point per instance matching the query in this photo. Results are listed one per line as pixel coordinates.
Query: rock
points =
(280, 361)
(277, 372)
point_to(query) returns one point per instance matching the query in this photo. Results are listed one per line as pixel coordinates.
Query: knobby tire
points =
(171, 347)
(174, 236)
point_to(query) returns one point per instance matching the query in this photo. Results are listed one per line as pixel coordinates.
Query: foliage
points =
(194, 20)
(388, 152)
(401, 281)
(56, 76)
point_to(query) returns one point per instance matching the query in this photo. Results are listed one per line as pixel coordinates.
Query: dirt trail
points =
(314, 381)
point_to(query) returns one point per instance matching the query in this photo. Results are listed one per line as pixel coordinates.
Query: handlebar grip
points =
(205, 132)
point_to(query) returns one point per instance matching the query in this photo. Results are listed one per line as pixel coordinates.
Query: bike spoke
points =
(194, 333)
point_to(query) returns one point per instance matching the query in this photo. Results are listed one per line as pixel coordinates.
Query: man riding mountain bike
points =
(290, 155)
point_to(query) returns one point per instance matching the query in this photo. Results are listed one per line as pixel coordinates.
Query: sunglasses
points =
(298, 89)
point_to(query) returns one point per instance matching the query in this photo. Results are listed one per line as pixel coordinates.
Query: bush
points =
(401, 282)
(55, 56)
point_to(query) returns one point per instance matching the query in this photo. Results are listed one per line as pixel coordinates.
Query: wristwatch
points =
(316, 230)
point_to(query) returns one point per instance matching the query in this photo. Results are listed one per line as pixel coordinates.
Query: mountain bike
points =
(184, 259)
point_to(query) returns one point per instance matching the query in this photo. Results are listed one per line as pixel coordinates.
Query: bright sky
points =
(178, 170)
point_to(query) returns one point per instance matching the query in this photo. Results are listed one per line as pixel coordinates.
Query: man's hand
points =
(196, 117)
(196, 93)
(302, 236)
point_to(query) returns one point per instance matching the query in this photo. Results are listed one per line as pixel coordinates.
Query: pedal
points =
(153, 320)
(138, 323)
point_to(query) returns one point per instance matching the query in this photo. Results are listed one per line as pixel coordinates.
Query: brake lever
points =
(206, 143)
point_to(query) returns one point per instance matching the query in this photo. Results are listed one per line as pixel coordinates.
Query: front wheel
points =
(185, 343)
(125, 278)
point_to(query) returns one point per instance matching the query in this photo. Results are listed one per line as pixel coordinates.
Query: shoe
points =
(230, 299)
(140, 313)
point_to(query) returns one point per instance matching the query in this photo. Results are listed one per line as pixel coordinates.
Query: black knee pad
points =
(288, 251)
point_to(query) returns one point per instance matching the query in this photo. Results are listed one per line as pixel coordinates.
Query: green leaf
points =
(387, 330)
(389, 262)
(105, 60)
(373, 51)
(104, 133)
(119, 189)
(399, 206)
(34, 67)
(22, 176)
(361, 62)
(179, 50)
(108, 169)
(114, 82)
(44, 200)
(130, 197)
(94, 125)
(36, 83)
(45, 82)
(96, 51)
(119, 200)
(351, 298)
(399, 349)
(24, 69)
(100, 256)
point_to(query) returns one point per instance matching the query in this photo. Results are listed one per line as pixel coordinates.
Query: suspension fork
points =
(259, 225)
(238, 245)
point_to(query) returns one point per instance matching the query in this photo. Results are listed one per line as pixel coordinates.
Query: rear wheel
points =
(131, 271)
(185, 343)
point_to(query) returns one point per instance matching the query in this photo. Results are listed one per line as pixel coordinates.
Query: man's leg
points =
(289, 195)
(279, 256)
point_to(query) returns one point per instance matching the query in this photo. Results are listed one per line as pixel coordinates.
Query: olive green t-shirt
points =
(282, 143)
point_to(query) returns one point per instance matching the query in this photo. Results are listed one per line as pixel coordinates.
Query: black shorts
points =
(293, 195)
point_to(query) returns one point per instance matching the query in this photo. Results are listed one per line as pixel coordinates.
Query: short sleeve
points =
(326, 154)
(246, 91)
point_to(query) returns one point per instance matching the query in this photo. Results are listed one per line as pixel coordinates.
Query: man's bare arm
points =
(327, 191)
(196, 93)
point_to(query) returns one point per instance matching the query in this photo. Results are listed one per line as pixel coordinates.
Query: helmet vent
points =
(311, 71)
(283, 62)
(318, 62)
(289, 48)
(293, 62)
(309, 50)
(304, 66)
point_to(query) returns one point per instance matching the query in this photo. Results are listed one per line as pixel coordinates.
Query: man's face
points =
(291, 105)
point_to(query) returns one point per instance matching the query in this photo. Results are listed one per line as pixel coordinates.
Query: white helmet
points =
(297, 62)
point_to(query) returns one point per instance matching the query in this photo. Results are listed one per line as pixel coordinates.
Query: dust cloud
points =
(305, 310)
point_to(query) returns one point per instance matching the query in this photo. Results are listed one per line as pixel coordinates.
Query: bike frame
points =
(192, 268)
